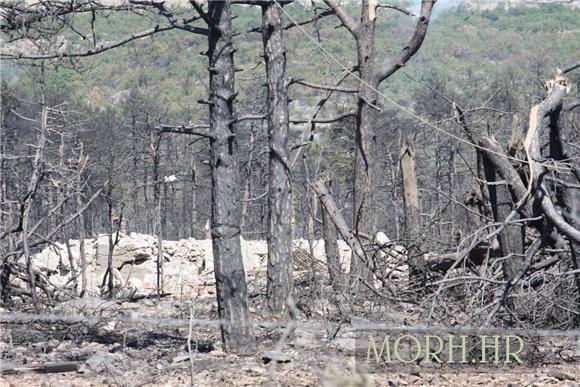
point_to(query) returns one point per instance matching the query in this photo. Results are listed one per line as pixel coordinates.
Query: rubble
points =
(188, 263)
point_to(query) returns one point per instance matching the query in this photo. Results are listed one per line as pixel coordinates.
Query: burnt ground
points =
(144, 343)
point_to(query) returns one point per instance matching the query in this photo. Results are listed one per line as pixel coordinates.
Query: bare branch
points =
(197, 130)
(198, 6)
(416, 41)
(323, 87)
(317, 17)
(572, 67)
(343, 15)
(325, 120)
(158, 28)
(396, 8)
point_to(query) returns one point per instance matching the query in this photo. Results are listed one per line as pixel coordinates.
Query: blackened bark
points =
(280, 282)
(193, 196)
(364, 215)
(81, 221)
(492, 156)
(5, 218)
(567, 197)
(512, 236)
(155, 141)
(329, 206)
(549, 107)
(331, 249)
(230, 277)
(372, 73)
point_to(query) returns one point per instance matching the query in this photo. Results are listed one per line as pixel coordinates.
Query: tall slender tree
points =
(280, 283)
(373, 71)
(230, 277)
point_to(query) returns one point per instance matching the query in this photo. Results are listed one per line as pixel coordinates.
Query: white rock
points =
(381, 238)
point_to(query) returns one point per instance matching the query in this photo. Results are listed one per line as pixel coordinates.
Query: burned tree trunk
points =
(36, 177)
(81, 221)
(364, 216)
(329, 206)
(5, 214)
(549, 108)
(155, 142)
(567, 197)
(193, 195)
(230, 277)
(331, 250)
(512, 236)
(280, 282)
(372, 72)
(412, 211)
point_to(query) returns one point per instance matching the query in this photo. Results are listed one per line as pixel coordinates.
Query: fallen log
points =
(443, 262)
(47, 368)
(334, 213)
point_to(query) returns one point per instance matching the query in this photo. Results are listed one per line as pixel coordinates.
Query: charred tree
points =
(331, 249)
(154, 144)
(280, 283)
(230, 277)
(372, 72)
(512, 236)
(412, 210)
(81, 220)
(333, 213)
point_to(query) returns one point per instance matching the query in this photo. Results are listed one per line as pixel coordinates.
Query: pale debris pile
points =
(391, 255)
(134, 260)
(187, 262)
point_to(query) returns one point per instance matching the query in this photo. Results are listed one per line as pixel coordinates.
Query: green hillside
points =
(463, 50)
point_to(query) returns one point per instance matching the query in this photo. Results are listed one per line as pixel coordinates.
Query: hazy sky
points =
(441, 5)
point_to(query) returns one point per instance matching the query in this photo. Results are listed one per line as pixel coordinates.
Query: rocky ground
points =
(143, 341)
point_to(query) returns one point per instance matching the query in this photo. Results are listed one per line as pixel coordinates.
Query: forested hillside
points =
(463, 43)
(470, 57)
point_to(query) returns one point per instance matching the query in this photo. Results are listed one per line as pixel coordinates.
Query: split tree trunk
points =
(512, 236)
(81, 221)
(230, 277)
(567, 197)
(412, 211)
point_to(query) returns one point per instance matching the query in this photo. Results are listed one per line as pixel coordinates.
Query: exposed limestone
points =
(135, 262)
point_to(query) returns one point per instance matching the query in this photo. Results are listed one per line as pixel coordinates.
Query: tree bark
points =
(331, 250)
(81, 221)
(412, 210)
(193, 195)
(155, 142)
(372, 73)
(512, 237)
(364, 215)
(280, 284)
(35, 178)
(550, 106)
(334, 214)
(567, 197)
(236, 329)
